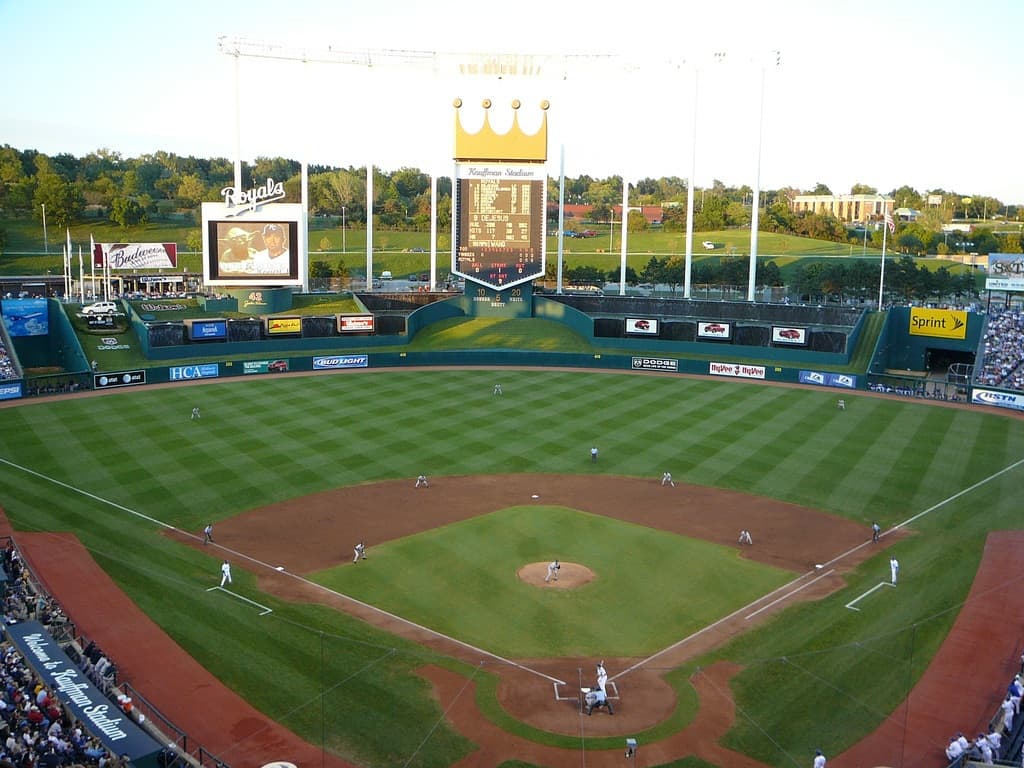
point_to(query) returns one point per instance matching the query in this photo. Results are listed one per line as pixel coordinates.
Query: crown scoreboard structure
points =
(500, 207)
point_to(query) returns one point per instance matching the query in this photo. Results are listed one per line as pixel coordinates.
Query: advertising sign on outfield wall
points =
(122, 379)
(828, 379)
(10, 391)
(340, 361)
(190, 372)
(739, 371)
(998, 399)
(655, 364)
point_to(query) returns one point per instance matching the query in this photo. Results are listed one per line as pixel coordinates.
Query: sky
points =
(925, 93)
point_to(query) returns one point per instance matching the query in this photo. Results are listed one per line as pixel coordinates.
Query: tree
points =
(863, 189)
(821, 189)
(63, 200)
(127, 212)
(636, 222)
(320, 270)
(190, 191)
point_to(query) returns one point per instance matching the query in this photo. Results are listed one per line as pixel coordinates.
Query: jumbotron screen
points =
(499, 223)
(252, 251)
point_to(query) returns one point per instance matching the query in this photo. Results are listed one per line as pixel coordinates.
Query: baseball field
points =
(294, 470)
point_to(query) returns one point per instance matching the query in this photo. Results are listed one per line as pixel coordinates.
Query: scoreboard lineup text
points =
(500, 224)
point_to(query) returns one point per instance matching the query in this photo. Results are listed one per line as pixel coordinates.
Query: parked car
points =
(708, 245)
(101, 308)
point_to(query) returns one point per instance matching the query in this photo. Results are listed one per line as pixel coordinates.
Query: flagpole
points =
(67, 268)
(92, 265)
(81, 276)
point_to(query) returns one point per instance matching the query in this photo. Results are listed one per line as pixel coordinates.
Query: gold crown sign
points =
(515, 145)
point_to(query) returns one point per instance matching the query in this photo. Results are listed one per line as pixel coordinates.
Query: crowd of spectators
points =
(7, 370)
(35, 730)
(1002, 741)
(1001, 364)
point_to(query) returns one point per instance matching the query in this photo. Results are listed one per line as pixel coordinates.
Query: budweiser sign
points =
(242, 201)
(136, 255)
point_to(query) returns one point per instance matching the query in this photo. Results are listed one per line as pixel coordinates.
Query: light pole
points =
(343, 244)
(756, 194)
(46, 244)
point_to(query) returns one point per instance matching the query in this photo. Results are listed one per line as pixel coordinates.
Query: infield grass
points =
(816, 675)
(652, 587)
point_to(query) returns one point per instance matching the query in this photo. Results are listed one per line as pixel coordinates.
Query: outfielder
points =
(195, 414)
(894, 569)
(553, 567)
(497, 389)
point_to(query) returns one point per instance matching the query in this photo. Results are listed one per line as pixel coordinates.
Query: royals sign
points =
(238, 201)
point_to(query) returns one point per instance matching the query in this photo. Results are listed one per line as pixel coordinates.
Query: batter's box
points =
(578, 693)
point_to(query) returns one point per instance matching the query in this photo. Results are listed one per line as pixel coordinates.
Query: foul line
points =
(865, 594)
(256, 562)
(237, 596)
(509, 662)
(833, 561)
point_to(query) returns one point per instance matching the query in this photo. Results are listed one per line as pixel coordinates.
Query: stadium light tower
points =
(756, 208)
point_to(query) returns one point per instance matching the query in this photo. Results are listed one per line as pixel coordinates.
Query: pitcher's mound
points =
(570, 575)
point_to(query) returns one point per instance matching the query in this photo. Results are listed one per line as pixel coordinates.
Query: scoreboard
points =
(499, 223)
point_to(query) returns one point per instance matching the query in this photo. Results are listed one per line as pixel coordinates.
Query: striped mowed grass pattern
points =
(810, 672)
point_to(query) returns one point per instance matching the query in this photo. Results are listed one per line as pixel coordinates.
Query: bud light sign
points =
(341, 361)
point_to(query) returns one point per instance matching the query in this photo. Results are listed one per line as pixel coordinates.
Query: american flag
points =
(890, 223)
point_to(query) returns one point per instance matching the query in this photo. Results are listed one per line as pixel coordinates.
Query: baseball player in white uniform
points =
(602, 676)
(745, 537)
(208, 533)
(666, 479)
(553, 567)
(422, 481)
(894, 569)
(225, 573)
(360, 552)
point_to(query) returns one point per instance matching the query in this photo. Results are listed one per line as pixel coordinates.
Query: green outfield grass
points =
(460, 580)
(816, 675)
